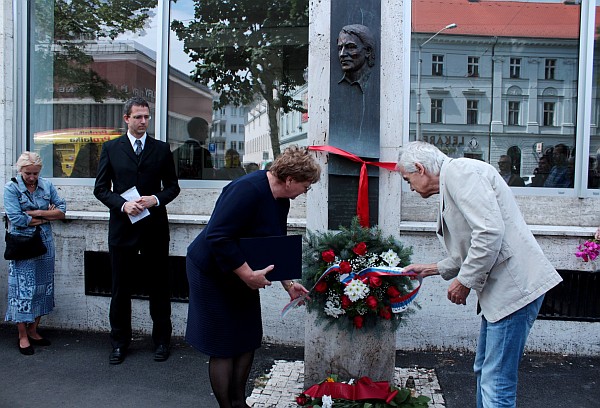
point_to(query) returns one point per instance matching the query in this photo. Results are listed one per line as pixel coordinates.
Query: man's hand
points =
(133, 208)
(422, 270)
(146, 201)
(457, 293)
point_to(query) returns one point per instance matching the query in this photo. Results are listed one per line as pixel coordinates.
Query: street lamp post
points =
(420, 63)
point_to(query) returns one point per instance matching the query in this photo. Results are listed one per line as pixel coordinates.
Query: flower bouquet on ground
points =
(363, 393)
(356, 276)
(589, 250)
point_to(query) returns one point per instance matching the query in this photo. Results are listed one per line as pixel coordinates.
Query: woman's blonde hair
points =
(28, 159)
(297, 163)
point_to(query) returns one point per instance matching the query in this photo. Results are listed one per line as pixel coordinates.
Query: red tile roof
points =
(497, 18)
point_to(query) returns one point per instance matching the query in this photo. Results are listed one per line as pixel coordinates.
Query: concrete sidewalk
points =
(74, 372)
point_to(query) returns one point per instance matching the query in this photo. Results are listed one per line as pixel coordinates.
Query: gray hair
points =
(421, 152)
(28, 159)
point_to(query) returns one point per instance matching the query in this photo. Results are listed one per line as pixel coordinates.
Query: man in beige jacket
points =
(491, 251)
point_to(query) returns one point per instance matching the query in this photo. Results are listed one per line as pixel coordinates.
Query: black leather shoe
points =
(39, 342)
(161, 353)
(117, 355)
(27, 351)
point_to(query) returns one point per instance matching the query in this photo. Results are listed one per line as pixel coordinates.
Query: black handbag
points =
(20, 247)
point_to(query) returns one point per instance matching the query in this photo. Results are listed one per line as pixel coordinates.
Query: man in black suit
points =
(192, 160)
(136, 160)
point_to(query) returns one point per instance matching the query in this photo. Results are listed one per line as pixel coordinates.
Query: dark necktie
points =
(138, 147)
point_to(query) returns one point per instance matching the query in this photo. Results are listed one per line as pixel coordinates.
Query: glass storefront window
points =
(240, 69)
(508, 86)
(80, 75)
(593, 165)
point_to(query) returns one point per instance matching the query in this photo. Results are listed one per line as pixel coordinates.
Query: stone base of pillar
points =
(348, 354)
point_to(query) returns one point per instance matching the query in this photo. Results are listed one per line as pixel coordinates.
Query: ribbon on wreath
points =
(363, 389)
(397, 303)
(362, 204)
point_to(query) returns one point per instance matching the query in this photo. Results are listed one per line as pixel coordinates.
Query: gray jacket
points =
(491, 249)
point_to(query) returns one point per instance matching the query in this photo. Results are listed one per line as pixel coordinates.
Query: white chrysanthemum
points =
(373, 259)
(356, 290)
(327, 401)
(390, 258)
(333, 308)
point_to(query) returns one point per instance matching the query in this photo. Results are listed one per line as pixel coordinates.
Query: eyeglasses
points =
(140, 117)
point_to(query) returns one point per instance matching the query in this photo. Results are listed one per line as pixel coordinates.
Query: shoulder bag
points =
(20, 247)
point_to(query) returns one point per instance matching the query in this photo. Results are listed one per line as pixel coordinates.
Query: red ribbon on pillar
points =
(362, 204)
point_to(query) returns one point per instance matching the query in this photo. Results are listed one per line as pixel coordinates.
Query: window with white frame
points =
(472, 66)
(437, 65)
(514, 112)
(550, 68)
(436, 110)
(548, 113)
(515, 68)
(472, 111)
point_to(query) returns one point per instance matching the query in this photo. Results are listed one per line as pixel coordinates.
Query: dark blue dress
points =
(224, 318)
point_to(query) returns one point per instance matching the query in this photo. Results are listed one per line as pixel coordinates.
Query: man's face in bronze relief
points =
(352, 52)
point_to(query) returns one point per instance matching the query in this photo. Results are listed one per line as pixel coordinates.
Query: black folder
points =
(285, 252)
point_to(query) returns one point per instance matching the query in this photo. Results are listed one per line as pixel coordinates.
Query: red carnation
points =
(302, 399)
(393, 292)
(321, 286)
(346, 302)
(358, 322)
(386, 312)
(371, 302)
(360, 249)
(345, 267)
(328, 256)
(375, 281)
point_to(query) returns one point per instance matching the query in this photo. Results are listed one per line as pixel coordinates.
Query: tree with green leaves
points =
(63, 29)
(244, 49)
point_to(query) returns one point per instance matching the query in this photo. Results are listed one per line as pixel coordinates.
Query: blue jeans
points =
(499, 352)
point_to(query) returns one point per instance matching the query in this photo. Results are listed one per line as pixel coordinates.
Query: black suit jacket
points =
(153, 174)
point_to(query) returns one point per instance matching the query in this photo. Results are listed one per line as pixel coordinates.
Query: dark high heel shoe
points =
(27, 351)
(39, 342)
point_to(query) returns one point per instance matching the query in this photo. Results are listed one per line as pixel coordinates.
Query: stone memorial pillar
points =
(360, 111)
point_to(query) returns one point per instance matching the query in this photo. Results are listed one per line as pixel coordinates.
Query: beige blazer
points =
(490, 247)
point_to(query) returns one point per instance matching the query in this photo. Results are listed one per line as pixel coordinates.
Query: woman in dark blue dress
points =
(224, 319)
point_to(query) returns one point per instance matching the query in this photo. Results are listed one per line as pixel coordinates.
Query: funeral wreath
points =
(356, 276)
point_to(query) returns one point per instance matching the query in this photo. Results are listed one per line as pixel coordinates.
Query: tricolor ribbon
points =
(362, 204)
(398, 304)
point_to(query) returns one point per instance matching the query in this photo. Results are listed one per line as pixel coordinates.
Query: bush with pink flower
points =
(589, 250)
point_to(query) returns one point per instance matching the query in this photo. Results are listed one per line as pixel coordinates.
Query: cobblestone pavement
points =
(279, 388)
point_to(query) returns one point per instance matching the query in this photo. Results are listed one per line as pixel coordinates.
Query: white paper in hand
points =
(131, 195)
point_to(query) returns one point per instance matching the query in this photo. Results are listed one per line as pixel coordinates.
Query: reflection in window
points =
(503, 90)
(473, 66)
(242, 59)
(436, 110)
(437, 65)
(80, 75)
(514, 109)
(593, 163)
(515, 67)
(548, 113)
(549, 68)
(472, 111)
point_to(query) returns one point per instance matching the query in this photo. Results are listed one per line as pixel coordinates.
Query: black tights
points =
(228, 377)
